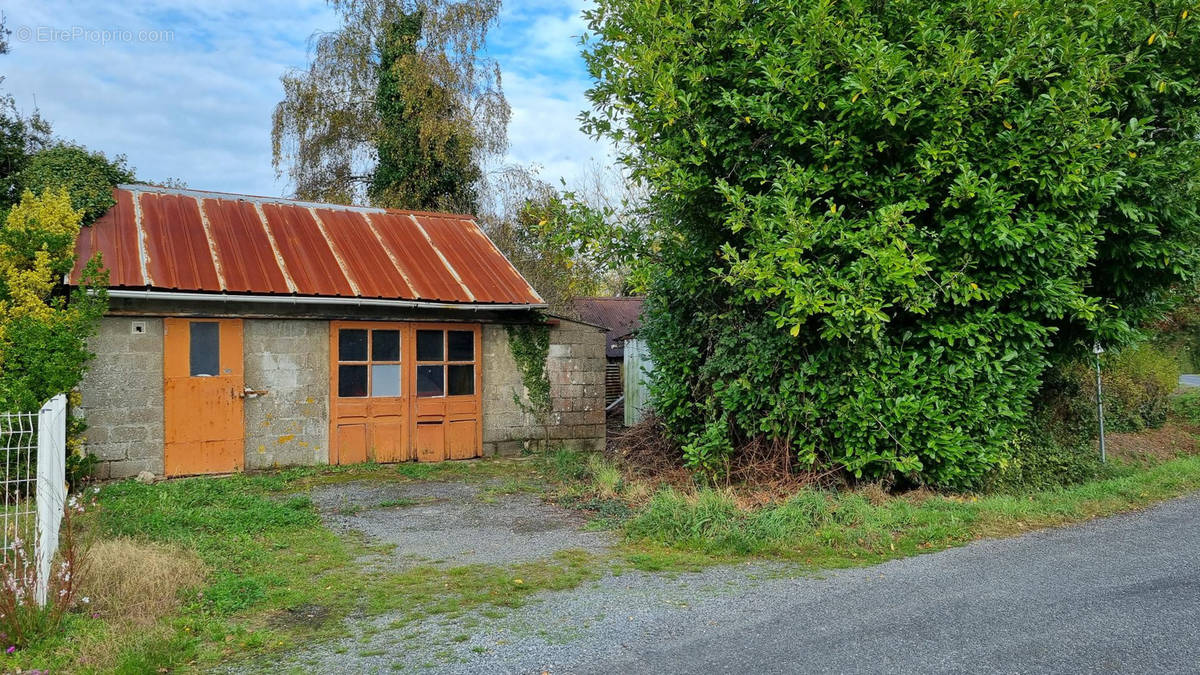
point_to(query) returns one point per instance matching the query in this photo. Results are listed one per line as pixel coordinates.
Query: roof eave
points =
(188, 296)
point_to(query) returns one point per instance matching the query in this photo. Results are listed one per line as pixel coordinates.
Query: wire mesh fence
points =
(33, 492)
(19, 443)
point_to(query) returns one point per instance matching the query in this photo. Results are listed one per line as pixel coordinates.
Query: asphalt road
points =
(1120, 595)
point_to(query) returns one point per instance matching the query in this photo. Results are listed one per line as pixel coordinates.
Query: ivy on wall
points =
(530, 346)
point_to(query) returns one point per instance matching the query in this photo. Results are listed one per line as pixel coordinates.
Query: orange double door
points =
(398, 392)
(404, 391)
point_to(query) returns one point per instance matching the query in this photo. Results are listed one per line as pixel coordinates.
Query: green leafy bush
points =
(1138, 383)
(1179, 334)
(1187, 406)
(89, 177)
(1042, 461)
(878, 224)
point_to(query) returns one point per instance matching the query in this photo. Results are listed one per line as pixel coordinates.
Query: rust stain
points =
(198, 241)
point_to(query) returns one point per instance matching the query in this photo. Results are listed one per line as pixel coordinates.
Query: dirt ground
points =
(1168, 441)
(454, 523)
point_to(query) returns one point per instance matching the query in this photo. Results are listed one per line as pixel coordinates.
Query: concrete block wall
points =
(289, 358)
(122, 393)
(575, 366)
(122, 397)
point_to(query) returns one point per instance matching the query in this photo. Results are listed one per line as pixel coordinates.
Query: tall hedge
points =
(881, 221)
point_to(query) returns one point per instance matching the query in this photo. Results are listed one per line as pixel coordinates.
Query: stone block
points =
(132, 467)
(144, 450)
(128, 433)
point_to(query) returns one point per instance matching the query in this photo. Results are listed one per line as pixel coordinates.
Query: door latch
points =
(253, 393)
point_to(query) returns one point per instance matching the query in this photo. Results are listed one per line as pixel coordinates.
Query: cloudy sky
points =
(186, 89)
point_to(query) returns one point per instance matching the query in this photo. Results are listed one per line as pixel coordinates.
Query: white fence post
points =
(51, 487)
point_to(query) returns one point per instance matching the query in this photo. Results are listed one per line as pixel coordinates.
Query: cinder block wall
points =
(122, 398)
(290, 425)
(575, 366)
(122, 393)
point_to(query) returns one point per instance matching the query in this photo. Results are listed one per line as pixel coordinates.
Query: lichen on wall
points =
(289, 358)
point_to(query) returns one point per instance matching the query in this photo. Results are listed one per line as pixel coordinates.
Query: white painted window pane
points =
(385, 380)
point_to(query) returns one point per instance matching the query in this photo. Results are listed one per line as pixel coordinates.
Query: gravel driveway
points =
(454, 523)
(1115, 595)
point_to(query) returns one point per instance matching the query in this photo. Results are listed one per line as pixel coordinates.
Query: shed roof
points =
(621, 316)
(211, 242)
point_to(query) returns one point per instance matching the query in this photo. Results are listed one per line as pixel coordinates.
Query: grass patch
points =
(139, 582)
(421, 592)
(836, 529)
(256, 554)
(241, 567)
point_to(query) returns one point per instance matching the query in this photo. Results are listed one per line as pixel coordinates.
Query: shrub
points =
(1187, 406)
(1179, 334)
(878, 224)
(89, 177)
(138, 581)
(1042, 461)
(1138, 382)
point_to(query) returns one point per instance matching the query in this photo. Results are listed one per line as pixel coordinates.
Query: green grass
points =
(832, 529)
(267, 551)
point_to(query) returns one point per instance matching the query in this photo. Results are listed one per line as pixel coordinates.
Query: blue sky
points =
(186, 90)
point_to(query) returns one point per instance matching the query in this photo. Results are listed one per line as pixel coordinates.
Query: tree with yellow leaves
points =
(43, 326)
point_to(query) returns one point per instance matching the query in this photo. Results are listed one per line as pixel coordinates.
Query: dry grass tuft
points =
(137, 581)
(876, 493)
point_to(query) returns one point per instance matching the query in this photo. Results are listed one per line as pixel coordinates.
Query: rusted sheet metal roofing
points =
(187, 240)
(621, 316)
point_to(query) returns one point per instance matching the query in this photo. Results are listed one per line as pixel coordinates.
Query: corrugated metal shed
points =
(189, 240)
(621, 316)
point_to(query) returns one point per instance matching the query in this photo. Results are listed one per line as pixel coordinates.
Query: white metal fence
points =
(34, 484)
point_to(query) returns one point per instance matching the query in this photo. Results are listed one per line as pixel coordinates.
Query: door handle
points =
(252, 393)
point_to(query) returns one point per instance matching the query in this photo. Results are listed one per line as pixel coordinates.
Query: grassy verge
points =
(831, 529)
(273, 578)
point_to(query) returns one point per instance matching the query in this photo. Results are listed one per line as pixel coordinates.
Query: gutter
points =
(311, 300)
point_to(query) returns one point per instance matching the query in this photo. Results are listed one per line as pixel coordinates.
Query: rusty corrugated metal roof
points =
(621, 316)
(189, 240)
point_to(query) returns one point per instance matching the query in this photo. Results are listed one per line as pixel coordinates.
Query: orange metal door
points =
(446, 381)
(203, 393)
(369, 402)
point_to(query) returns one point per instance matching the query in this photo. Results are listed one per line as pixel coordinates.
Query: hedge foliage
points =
(880, 223)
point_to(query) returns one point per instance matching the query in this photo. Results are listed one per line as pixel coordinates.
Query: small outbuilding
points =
(621, 317)
(250, 332)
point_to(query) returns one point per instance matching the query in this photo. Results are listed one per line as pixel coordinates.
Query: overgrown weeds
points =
(26, 618)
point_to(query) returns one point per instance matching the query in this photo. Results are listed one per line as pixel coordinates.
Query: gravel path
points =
(453, 523)
(1114, 595)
